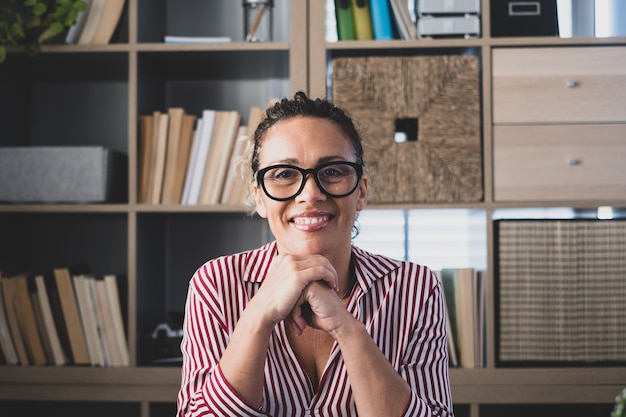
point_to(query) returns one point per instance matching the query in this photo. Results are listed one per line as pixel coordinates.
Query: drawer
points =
(560, 162)
(559, 85)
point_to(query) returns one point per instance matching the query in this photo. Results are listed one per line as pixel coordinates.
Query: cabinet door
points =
(560, 162)
(559, 85)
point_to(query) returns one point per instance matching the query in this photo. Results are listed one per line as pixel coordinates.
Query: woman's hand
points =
(283, 289)
(324, 309)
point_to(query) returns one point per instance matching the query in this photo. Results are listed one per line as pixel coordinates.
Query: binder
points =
(345, 20)
(362, 20)
(381, 19)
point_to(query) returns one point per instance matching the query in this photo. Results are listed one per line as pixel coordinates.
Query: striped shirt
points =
(400, 303)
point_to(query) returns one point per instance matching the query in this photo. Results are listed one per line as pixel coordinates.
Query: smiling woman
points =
(309, 323)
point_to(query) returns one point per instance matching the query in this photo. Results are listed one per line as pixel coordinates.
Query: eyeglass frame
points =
(259, 177)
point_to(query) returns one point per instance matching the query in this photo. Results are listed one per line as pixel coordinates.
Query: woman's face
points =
(311, 222)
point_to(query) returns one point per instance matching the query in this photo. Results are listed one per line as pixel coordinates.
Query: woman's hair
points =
(301, 105)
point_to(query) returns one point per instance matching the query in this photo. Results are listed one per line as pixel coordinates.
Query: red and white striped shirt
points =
(400, 303)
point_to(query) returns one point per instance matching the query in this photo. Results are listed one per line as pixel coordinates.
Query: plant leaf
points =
(54, 29)
(39, 9)
(3, 54)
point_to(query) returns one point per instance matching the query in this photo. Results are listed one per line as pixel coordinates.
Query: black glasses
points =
(335, 179)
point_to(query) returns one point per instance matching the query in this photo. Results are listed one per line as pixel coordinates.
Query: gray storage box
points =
(87, 174)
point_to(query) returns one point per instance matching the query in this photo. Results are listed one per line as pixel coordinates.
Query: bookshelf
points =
(499, 390)
(52, 101)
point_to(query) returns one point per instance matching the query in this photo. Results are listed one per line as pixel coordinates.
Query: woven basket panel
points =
(444, 164)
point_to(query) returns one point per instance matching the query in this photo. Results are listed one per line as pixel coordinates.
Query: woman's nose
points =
(311, 191)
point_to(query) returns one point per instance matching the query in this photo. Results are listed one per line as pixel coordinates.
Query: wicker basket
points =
(442, 163)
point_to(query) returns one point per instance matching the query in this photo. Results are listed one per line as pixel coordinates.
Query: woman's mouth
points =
(311, 222)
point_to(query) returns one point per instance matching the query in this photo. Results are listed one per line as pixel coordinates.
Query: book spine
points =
(362, 20)
(381, 19)
(345, 20)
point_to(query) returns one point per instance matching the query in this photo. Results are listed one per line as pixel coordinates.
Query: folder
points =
(362, 20)
(345, 20)
(381, 19)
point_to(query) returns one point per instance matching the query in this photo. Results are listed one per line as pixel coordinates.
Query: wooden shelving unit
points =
(52, 100)
(495, 390)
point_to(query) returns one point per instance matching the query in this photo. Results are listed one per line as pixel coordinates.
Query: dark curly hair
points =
(301, 105)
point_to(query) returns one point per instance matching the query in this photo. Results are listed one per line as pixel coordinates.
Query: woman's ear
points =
(258, 198)
(362, 198)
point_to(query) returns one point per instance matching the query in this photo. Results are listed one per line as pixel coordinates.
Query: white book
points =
(88, 320)
(73, 34)
(197, 39)
(208, 120)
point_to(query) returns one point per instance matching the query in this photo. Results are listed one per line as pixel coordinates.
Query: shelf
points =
(94, 94)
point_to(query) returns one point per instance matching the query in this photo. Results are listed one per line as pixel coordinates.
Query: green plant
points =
(620, 405)
(33, 22)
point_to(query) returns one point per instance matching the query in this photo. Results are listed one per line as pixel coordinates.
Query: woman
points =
(309, 324)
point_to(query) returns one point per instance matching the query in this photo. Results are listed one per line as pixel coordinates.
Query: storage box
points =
(448, 27)
(524, 18)
(560, 292)
(62, 175)
(420, 121)
(438, 7)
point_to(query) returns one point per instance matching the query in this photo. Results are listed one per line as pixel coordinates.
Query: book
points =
(109, 18)
(28, 321)
(89, 321)
(152, 155)
(91, 22)
(205, 137)
(146, 149)
(222, 141)
(460, 294)
(115, 290)
(402, 17)
(450, 330)
(236, 188)
(174, 133)
(193, 157)
(233, 178)
(57, 315)
(114, 357)
(9, 292)
(362, 20)
(196, 39)
(69, 305)
(58, 356)
(381, 19)
(73, 34)
(184, 152)
(6, 340)
(345, 20)
(160, 153)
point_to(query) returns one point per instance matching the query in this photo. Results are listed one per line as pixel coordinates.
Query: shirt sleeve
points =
(426, 367)
(204, 390)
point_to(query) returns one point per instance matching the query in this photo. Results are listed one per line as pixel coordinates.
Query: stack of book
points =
(561, 291)
(464, 293)
(185, 159)
(97, 23)
(373, 20)
(448, 19)
(68, 317)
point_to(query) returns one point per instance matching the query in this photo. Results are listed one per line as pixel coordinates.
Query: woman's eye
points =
(330, 173)
(284, 174)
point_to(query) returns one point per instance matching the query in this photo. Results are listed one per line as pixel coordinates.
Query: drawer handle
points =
(571, 83)
(574, 161)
